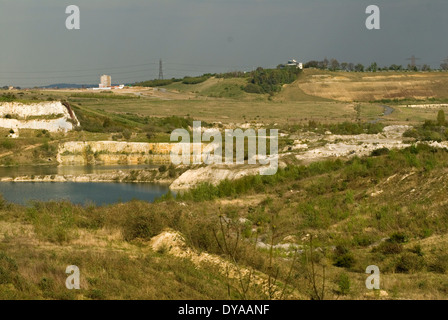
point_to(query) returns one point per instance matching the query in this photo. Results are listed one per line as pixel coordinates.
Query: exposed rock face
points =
(213, 175)
(114, 152)
(51, 116)
(357, 145)
(150, 175)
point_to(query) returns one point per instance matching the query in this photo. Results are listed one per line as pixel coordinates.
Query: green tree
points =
(359, 68)
(441, 118)
(334, 65)
(373, 67)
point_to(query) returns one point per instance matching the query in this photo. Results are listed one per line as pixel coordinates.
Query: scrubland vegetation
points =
(431, 130)
(327, 205)
(307, 227)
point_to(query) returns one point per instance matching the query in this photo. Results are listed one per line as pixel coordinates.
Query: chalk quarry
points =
(52, 116)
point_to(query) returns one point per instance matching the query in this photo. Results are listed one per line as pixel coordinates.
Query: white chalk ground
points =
(335, 146)
(13, 115)
(351, 145)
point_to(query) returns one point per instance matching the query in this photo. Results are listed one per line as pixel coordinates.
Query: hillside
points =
(380, 210)
(369, 86)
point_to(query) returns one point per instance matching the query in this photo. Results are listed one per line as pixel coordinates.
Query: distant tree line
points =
(165, 82)
(335, 65)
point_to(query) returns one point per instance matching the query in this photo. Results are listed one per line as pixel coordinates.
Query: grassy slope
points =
(223, 100)
(331, 200)
(353, 86)
(314, 96)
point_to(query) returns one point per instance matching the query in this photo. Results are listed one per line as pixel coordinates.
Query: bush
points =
(96, 294)
(194, 80)
(344, 284)
(440, 265)
(141, 226)
(8, 144)
(343, 257)
(3, 202)
(155, 83)
(379, 152)
(430, 130)
(127, 134)
(253, 88)
(389, 248)
(8, 269)
(172, 171)
(46, 284)
(8, 97)
(362, 240)
(409, 262)
(398, 237)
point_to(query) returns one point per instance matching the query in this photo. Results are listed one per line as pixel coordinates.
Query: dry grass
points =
(344, 86)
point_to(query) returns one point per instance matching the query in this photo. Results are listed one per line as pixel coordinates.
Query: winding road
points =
(387, 111)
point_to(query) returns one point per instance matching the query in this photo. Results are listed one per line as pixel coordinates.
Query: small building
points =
(294, 63)
(106, 82)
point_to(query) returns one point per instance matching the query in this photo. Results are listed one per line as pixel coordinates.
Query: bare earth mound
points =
(345, 86)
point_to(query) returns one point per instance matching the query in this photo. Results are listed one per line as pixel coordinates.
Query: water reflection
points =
(81, 193)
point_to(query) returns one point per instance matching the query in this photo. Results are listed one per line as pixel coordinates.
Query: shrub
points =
(46, 284)
(343, 282)
(441, 121)
(398, 237)
(155, 83)
(3, 202)
(389, 248)
(8, 269)
(141, 226)
(8, 97)
(440, 265)
(417, 249)
(362, 240)
(127, 134)
(7, 144)
(172, 171)
(194, 80)
(379, 152)
(96, 294)
(253, 88)
(343, 257)
(409, 262)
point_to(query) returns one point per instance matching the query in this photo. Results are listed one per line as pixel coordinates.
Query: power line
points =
(74, 76)
(77, 70)
(211, 66)
(413, 60)
(160, 70)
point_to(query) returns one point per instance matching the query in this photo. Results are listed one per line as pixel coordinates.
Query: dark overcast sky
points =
(126, 38)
